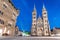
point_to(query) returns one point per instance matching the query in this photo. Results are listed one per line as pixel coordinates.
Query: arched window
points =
(4, 6)
(1, 13)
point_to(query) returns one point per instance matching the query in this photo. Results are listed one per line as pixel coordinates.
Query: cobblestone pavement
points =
(29, 38)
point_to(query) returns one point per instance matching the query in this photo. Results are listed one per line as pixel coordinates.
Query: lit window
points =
(1, 31)
(8, 32)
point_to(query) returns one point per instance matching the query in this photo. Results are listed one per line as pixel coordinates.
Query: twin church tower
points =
(40, 26)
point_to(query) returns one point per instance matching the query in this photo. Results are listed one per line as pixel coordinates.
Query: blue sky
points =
(24, 20)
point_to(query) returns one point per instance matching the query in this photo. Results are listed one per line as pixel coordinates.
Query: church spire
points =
(34, 7)
(34, 15)
(45, 21)
(43, 5)
(39, 16)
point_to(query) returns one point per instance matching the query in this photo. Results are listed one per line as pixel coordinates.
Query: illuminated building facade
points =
(34, 24)
(46, 26)
(8, 15)
(40, 26)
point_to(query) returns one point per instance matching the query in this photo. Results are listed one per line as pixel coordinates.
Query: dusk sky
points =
(25, 7)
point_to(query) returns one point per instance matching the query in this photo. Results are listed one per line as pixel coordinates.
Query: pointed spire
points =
(34, 7)
(39, 17)
(43, 5)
